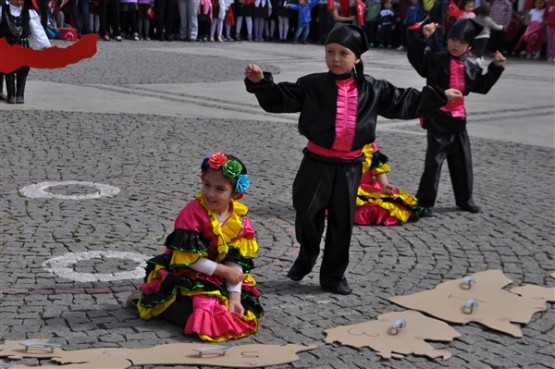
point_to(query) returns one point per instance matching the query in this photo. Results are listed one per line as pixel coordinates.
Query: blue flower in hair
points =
(242, 183)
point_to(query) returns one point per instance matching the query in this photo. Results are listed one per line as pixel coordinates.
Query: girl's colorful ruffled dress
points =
(197, 234)
(373, 207)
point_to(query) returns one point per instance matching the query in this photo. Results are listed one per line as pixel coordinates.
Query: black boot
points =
(10, 88)
(2, 96)
(19, 98)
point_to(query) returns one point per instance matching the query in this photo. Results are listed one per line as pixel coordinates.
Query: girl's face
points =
(18, 3)
(339, 59)
(217, 191)
(469, 7)
(457, 47)
(539, 4)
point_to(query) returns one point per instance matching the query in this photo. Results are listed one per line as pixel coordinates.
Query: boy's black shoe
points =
(427, 213)
(295, 273)
(340, 288)
(474, 209)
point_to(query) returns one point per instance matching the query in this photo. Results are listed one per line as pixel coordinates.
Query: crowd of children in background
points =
(518, 27)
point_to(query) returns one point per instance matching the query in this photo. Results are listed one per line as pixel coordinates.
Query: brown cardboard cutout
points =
(231, 356)
(484, 302)
(389, 341)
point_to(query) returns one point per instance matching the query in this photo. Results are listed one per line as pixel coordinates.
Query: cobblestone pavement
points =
(141, 116)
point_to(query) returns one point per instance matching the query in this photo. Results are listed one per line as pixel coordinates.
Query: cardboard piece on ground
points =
(238, 356)
(494, 307)
(410, 339)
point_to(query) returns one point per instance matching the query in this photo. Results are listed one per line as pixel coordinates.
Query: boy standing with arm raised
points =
(447, 137)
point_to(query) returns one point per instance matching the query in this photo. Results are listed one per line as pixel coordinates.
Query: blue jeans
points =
(304, 29)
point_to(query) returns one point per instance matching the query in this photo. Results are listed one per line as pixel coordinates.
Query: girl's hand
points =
(235, 306)
(429, 28)
(233, 275)
(254, 73)
(499, 59)
(389, 189)
(453, 94)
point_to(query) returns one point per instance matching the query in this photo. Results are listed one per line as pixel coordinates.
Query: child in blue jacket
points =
(304, 7)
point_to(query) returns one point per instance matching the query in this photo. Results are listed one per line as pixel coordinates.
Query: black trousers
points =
(319, 186)
(455, 147)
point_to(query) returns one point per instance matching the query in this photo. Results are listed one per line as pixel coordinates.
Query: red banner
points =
(13, 57)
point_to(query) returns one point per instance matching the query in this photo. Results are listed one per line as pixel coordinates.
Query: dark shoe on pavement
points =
(340, 288)
(427, 213)
(296, 273)
(474, 209)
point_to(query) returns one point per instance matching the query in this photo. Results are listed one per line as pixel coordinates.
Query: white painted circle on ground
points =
(62, 266)
(40, 190)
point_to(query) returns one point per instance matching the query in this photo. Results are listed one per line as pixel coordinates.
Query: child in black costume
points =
(446, 127)
(338, 113)
(19, 20)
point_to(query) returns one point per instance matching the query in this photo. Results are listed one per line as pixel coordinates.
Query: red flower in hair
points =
(217, 160)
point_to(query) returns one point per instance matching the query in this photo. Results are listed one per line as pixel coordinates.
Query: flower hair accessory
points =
(231, 167)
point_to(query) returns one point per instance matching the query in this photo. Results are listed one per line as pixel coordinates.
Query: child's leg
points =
(459, 161)
(182, 11)
(285, 28)
(238, 26)
(438, 144)
(310, 215)
(261, 26)
(20, 84)
(306, 30)
(480, 46)
(213, 29)
(141, 26)
(248, 20)
(220, 29)
(10, 87)
(341, 212)
(256, 28)
(297, 34)
(550, 42)
(389, 36)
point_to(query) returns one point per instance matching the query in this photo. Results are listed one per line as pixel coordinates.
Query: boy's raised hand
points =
(429, 28)
(254, 73)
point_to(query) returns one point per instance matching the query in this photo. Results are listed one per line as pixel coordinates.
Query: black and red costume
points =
(328, 177)
(447, 137)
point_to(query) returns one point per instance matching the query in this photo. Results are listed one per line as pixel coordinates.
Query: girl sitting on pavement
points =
(378, 202)
(202, 281)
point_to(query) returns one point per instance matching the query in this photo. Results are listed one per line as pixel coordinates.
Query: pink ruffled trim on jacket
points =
(456, 81)
(211, 318)
(346, 115)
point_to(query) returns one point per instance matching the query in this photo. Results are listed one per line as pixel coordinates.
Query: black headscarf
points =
(353, 38)
(466, 30)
